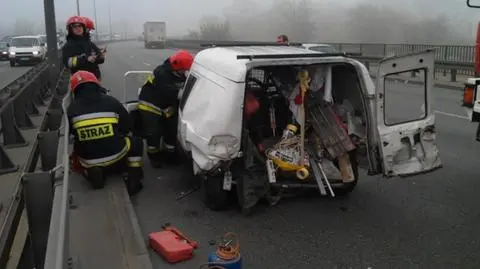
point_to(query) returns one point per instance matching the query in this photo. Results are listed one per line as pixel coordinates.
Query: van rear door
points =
(405, 119)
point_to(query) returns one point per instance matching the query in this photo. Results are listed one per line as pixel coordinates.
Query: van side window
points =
(187, 89)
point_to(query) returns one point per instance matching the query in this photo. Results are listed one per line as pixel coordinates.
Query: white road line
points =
(147, 64)
(451, 115)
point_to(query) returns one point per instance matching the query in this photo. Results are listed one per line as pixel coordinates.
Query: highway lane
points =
(9, 74)
(427, 221)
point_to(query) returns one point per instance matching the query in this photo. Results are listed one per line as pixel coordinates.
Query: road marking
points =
(451, 115)
(147, 64)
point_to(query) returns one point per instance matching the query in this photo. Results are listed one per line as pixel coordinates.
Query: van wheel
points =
(216, 198)
(12, 63)
(346, 188)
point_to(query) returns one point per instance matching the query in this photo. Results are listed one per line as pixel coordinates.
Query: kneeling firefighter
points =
(101, 126)
(158, 106)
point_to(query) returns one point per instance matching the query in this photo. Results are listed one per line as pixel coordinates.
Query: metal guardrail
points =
(450, 59)
(42, 188)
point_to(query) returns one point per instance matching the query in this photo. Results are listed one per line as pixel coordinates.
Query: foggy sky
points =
(182, 15)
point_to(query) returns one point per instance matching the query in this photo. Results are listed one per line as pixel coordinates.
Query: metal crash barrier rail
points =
(452, 60)
(34, 131)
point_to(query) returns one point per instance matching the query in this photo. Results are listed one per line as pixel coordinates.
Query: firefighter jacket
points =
(76, 52)
(159, 94)
(100, 125)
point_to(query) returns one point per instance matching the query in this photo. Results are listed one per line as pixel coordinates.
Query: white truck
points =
(154, 33)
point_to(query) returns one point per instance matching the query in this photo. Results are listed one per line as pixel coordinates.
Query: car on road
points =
(3, 51)
(238, 101)
(26, 49)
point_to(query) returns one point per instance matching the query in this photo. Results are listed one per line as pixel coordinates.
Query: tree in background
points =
(24, 27)
(382, 21)
(293, 18)
(213, 28)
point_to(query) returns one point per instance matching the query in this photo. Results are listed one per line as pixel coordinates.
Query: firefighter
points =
(158, 105)
(101, 126)
(80, 53)
(89, 24)
(283, 40)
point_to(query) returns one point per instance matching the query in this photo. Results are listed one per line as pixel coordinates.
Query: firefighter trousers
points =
(156, 127)
(132, 164)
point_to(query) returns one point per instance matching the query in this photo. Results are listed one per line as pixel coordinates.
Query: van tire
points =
(215, 197)
(346, 188)
(12, 63)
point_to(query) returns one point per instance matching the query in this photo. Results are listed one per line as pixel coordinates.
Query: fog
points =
(372, 21)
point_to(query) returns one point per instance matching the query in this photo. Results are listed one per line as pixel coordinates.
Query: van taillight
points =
(468, 96)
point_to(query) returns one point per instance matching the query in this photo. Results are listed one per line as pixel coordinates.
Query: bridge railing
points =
(35, 218)
(451, 60)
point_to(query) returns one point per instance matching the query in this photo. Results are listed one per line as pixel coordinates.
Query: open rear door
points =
(405, 120)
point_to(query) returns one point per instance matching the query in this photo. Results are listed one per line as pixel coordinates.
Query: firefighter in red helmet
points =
(283, 40)
(80, 53)
(101, 127)
(158, 106)
(89, 24)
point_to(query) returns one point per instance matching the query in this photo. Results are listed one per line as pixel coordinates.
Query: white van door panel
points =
(407, 146)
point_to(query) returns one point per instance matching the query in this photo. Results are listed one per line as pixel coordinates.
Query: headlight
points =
(35, 53)
(4, 52)
(12, 53)
(224, 146)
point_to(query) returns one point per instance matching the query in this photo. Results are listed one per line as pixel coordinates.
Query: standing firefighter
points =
(158, 105)
(80, 53)
(101, 127)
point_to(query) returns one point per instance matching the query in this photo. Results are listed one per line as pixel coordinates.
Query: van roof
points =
(231, 61)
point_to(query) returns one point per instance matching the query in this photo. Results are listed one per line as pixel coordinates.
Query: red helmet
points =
(81, 77)
(89, 24)
(181, 60)
(76, 19)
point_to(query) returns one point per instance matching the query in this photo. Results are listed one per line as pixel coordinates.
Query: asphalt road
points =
(427, 221)
(9, 74)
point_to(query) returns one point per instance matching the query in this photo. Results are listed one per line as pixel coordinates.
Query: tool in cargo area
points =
(227, 255)
(171, 244)
(333, 137)
(286, 156)
(304, 79)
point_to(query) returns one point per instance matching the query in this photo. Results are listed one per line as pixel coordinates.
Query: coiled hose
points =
(225, 252)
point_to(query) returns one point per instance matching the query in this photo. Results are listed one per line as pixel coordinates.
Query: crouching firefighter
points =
(158, 106)
(101, 127)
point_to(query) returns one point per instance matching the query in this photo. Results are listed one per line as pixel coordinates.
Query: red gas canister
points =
(172, 245)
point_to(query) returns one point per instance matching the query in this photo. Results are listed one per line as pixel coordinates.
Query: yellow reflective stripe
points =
(107, 161)
(135, 164)
(149, 79)
(150, 109)
(90, 122)
(153, 149)
(72, 61)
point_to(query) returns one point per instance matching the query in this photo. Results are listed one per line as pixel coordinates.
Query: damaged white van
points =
(262, 120)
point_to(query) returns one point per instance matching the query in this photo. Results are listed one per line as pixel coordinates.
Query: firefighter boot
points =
(133, 180)
(155, 159)
(96, 177)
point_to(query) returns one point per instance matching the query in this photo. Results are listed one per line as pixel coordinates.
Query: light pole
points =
(96, 21)
(78, 7)
(51, 31)
(110, 19)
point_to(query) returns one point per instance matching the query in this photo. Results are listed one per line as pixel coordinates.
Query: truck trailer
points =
(154, 34)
